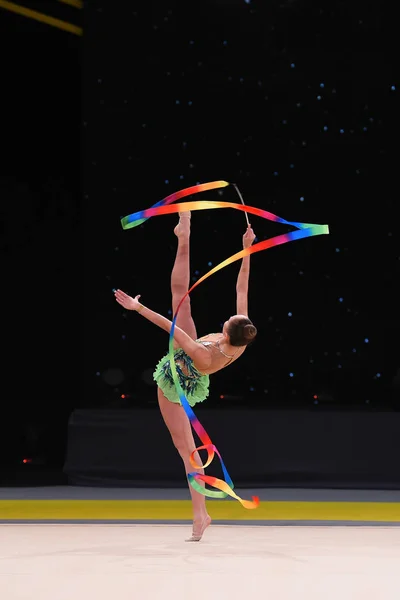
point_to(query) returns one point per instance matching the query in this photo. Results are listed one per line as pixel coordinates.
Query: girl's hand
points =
(248, 237)
(127, 301)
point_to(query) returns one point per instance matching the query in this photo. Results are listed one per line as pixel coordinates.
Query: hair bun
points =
(250, 331)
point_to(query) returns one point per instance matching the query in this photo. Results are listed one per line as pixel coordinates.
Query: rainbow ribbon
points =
(303, 230)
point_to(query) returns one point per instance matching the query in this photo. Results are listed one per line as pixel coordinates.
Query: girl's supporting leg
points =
(180, 429)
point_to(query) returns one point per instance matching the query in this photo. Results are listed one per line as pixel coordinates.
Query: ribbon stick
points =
(242, 201)
(302, 230)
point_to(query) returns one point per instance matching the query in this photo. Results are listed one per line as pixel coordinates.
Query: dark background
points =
(175, 95)
(293, 101)
(41, 242)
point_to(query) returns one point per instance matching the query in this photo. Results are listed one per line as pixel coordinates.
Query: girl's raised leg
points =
(180, 276)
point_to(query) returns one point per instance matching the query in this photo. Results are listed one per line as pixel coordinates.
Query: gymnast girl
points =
(195, 358)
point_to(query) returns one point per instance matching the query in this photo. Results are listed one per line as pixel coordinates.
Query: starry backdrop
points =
(294, 102)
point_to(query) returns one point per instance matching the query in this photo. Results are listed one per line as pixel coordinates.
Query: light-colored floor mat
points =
(151, 562)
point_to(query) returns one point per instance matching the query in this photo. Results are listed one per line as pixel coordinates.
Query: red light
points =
(27, 460)
(222, 396)
(122, 395)
(315, 397)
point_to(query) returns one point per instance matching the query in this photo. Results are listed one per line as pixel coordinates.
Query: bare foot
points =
(183, 227)
(199, 527)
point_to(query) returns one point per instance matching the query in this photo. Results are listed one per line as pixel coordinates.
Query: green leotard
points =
(194, 384)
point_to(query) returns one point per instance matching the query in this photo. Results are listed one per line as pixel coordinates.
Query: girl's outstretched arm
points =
(197, 352)
(242, 285)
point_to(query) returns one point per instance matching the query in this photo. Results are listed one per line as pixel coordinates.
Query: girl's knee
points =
(181, 445)
(177, 297)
